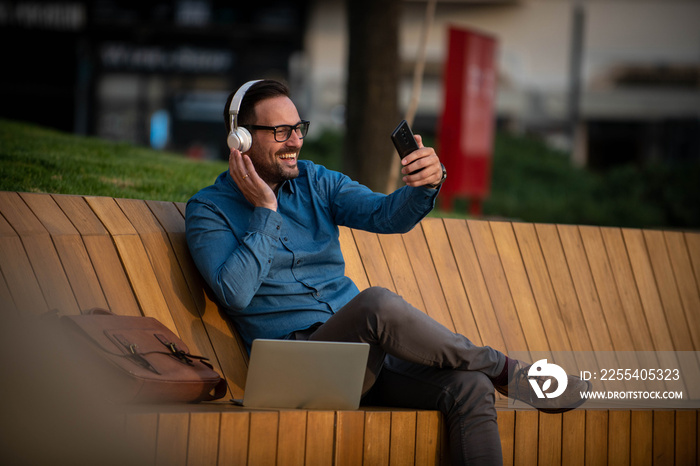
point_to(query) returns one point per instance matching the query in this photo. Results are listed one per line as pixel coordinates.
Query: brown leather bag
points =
(139, 360)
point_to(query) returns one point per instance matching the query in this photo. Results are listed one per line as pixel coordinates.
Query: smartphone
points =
(403, 140)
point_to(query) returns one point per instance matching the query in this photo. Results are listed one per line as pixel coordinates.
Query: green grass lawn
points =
(530, 182)
(35, 159)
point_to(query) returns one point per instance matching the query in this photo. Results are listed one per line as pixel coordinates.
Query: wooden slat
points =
(542, 288)
(103, 256)
(573, 444)
(450, 281)
(111, 275)
(141, 433)
(427, 278)
(377, 437)
(402, 450)
(353, 263)
(668, 290)
(234, 429)
(373, 259)
(663, 309)
(18, 214)
(648, 292)
(41, 253)
(609, 299)
(143, 280)
(19, 275)
(525, 444)
(585, 288)
(664, 434)
(111, 216)
(262, 439)
(7, 304)
(607, 292)
(400, 268)
(428, 437)
(686, 437)
(641, 432)
(349, 440)
(494, 276)
(563, 287)
(519, 285)
(80, 272)
(630, 302)
(550, 438)
(80, 215)
(135, 259)
(71, 251)
(474, 285)
(203, 442)
(687, 286)
(619, 431)
(588, 298)
(506, 431)
(693, 242)
(50, 274)
(596, 437)
(49, 214)
(172, 439)
(292, 436)
(319, 440)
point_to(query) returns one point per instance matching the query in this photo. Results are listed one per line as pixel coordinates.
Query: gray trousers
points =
(415, 362)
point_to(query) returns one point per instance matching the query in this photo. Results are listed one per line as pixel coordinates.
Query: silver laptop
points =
(305, 374)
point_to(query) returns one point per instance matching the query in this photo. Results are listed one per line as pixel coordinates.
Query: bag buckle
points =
(176, 352)
(134, 355)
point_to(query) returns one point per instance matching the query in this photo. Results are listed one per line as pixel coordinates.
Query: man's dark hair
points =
(265, 89)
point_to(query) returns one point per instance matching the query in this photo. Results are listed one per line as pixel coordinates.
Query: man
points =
(265, 238)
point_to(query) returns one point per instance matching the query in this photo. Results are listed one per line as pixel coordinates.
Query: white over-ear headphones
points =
(239, 138)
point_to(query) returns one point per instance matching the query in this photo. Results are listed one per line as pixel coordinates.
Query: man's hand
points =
(258, 193)
(426, 158)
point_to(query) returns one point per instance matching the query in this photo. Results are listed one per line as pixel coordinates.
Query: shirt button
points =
(278, 227)
(298, 261)
(286, 239)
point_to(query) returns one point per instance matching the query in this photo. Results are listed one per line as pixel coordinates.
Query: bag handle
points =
(99, 311)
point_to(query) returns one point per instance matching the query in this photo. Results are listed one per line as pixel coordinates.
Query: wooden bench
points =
(513, 286)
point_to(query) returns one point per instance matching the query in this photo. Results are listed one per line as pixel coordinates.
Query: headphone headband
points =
(235, 105)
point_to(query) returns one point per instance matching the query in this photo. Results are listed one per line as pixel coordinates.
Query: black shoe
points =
(522, 390)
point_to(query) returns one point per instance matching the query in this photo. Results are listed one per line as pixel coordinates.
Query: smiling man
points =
(265, 237)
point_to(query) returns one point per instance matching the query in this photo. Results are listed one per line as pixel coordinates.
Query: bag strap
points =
(219, 391)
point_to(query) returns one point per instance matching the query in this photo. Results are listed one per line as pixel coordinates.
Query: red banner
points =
(467, 122)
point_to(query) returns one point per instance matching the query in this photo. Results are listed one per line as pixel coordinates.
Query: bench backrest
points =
(513, 286)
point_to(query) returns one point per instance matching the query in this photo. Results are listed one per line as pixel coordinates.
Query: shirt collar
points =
(289, 185)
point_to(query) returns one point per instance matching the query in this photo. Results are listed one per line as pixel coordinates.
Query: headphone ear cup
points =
(233, 141)
(245, 139)
(240, 139)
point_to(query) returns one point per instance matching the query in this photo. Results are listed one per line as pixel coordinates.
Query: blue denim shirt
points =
(277, 272)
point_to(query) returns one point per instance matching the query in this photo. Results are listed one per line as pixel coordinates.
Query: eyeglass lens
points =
(284, 132)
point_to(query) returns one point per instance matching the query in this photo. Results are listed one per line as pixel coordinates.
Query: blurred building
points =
(153, 72)
(610, 80)
(621, 76)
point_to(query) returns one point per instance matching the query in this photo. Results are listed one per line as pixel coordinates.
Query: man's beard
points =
(275, 173)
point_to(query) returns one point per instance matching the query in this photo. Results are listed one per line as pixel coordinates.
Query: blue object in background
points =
(160, 129)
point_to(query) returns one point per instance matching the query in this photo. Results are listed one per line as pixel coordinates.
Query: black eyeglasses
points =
(284, 132)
